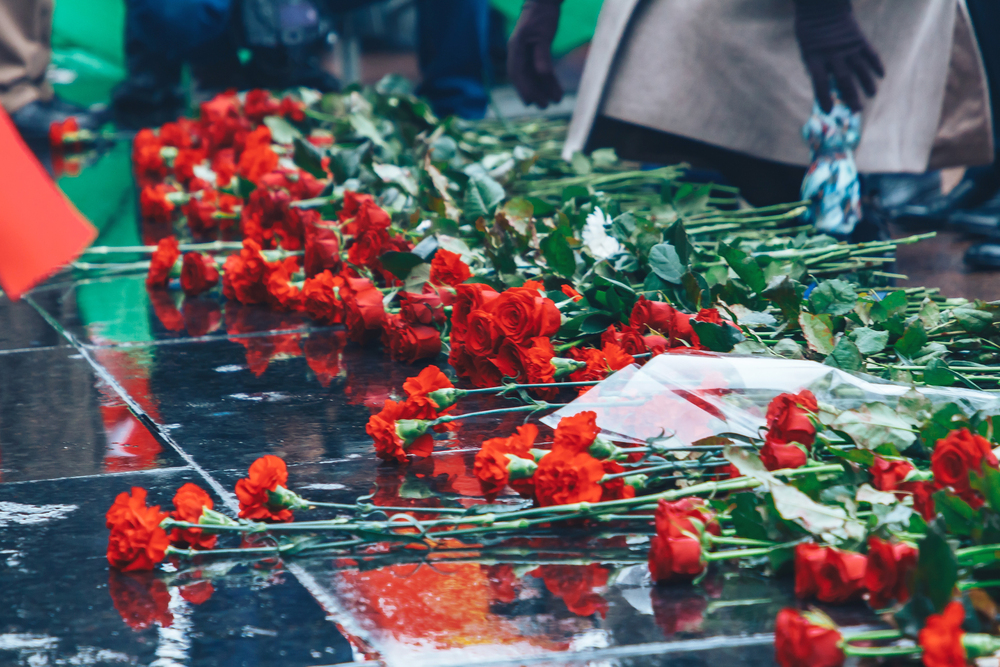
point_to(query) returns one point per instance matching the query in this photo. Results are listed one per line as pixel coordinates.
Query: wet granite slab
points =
(60, 603)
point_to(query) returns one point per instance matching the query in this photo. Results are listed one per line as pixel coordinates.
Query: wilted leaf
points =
(875, 424)
(817, 333)
(443, 187)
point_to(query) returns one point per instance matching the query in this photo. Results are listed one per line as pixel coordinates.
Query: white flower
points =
(596, 239)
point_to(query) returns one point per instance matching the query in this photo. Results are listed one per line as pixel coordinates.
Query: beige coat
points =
(728, 73)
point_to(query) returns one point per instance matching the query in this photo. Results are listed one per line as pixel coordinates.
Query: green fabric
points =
(88, 39)
(576, 23)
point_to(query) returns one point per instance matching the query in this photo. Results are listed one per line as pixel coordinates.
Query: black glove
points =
(529, 53)
(832, 45)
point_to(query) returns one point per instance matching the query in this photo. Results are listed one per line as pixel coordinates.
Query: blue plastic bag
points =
(832, 184)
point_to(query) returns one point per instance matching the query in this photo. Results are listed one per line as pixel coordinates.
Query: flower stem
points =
(541, 385)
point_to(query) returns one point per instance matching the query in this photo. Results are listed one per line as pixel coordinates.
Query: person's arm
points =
(833, 45)
(529, 53)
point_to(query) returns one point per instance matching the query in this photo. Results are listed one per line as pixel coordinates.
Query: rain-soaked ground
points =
(104, 386)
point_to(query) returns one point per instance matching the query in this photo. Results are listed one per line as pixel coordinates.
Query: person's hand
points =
(529, 53)
(833, 45)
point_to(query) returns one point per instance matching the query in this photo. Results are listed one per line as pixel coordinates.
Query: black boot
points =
(33, 120)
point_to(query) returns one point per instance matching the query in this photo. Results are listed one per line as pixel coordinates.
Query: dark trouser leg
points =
(761, 182)
(453, 40)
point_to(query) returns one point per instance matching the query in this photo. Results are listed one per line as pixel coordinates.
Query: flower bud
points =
(980, 645)
(637, 482)
(446, 397)
(518, 468)
(210, 517)
(282, 498)
(565, 367)
(537, 454)
(602, 448)
(409, 430)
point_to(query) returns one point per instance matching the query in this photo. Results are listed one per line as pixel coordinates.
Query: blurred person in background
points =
(287, 41)
(25, 52)
(728, 86)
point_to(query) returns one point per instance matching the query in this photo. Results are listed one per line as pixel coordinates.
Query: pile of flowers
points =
(534, 279)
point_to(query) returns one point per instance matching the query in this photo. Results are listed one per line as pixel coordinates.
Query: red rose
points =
(266, 474)
(799, 643)
(137, 542)
(888, 572)
(447, 268)
(360, 213)
(319, 298)
(529, 364)
(408, 343)
(679, 517)
(141, 598)
(829, 574)
(322, 247)
(958, 454)
(485, 372)
(521, 313)
(509, 359)
(198, 593)
(368, 247)
(575, 434)
(923, 497)
(788, 418)
(564, 477)
(198, 273)
(575, 585)
(675, 558)
(189, 501)
(483, 335)
(778, 455)
(628, 339)
(888, 475)
(941, 638)
(292, 108)
(364, 313)
(652, 316)
(491, 460)
(425, 308)
(469, 298)
(460, 359)
(162, 262)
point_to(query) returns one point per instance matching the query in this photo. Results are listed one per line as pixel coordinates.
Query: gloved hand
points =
(529, 53)
(832, 44)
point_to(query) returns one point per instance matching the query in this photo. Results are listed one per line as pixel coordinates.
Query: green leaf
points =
(244, 187)
(677, 236)
(937, 569)
(747, 520)
(862, 456)
(666, 263)
(746, 267)
(282, 132)
(913, 339)
(786, 294)
(892, 304)
(482, 196)
(833, 297)
(845, 356)
(972, 320)
(580, 164)
(596, 323)
(870, 341)
(958, 515)
(876, 424)
(308, 158)
(558, 254)
(988, 484)
(400, 263)
(696, 289)
(817, 332)
(717, 337)
(937, 374)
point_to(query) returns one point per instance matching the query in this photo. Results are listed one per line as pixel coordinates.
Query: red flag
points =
(40, 230)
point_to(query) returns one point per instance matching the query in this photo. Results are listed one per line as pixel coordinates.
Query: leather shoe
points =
(982, 221)
(983, 256)
(33, 120)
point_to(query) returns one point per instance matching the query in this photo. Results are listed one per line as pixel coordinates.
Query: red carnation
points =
(564, 477)
(266, 474)
(189, 502)
(198, 273)
(161, 264)
(941, 638)
(137, 542)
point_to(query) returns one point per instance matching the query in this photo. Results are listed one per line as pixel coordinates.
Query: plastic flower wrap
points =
(831, 183)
